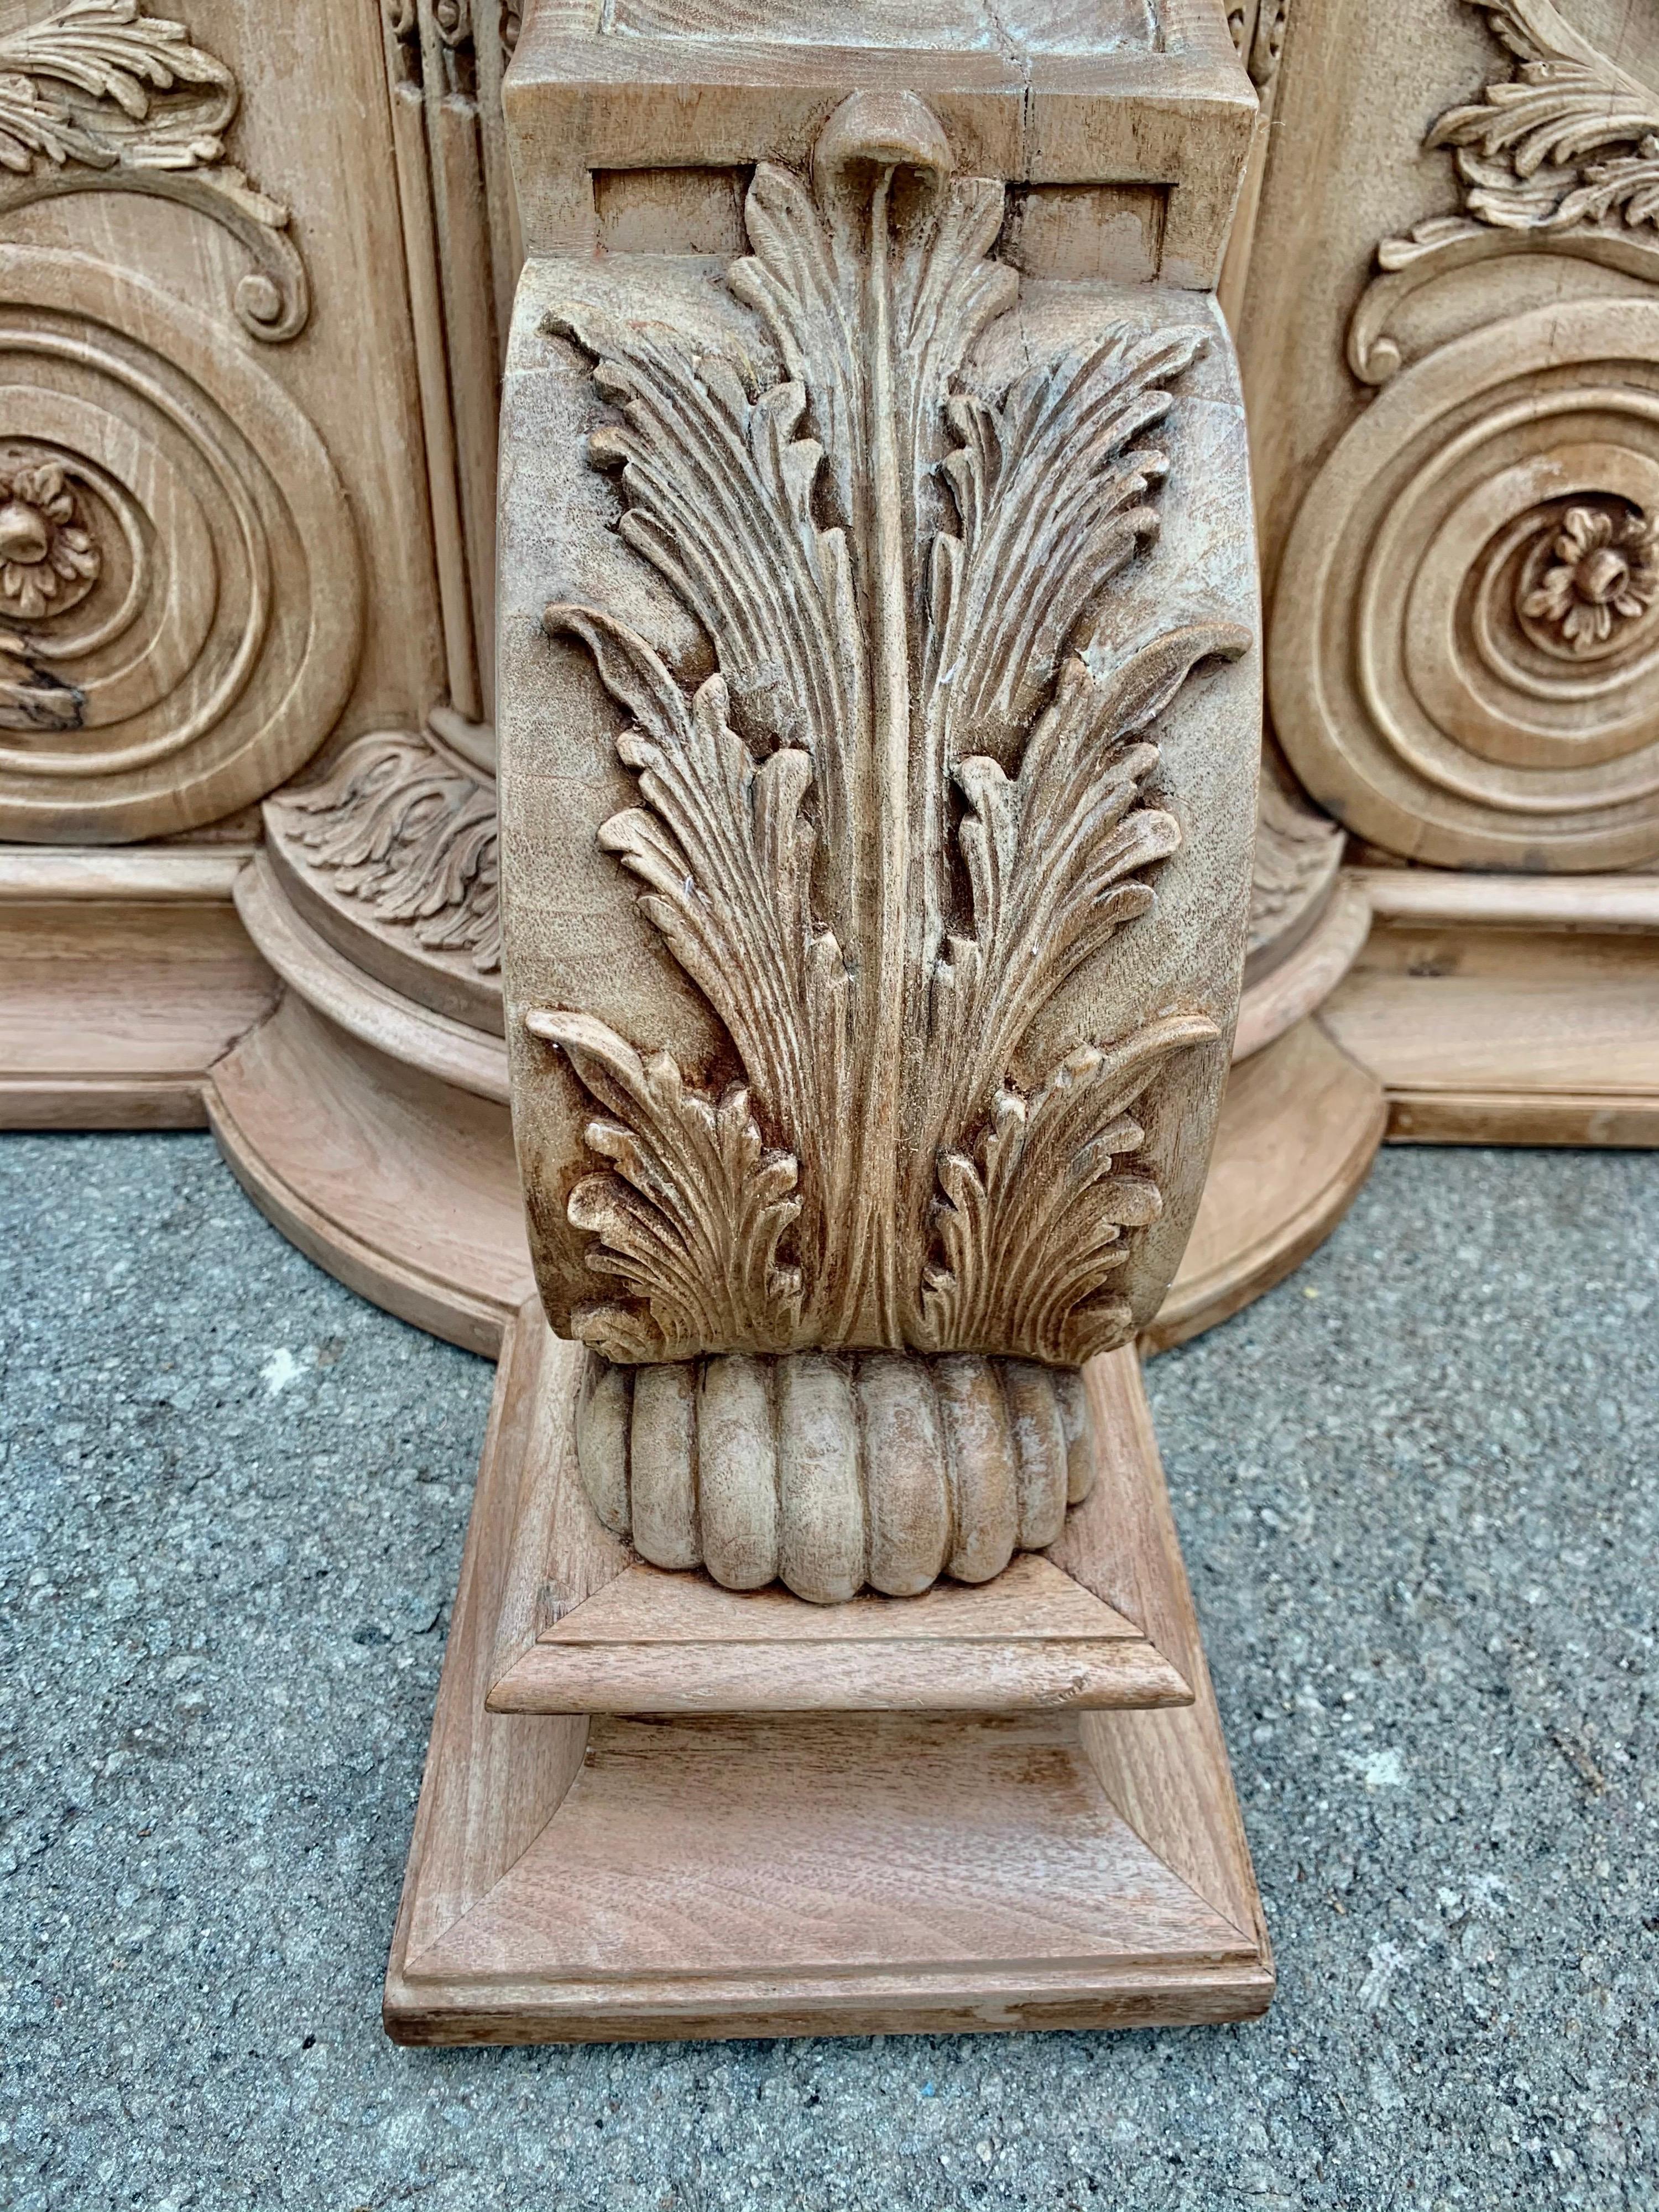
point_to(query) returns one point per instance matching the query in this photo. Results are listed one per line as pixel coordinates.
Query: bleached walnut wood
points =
(1571, 905)
(1125, 116)
(584, 1627)
(396, 1178)
(926, 909)
(391, 856)
(1302, 934)
(911, 1073)
(375, 226)
(1306, 970)
(444, 62)
(218, 553)
(1258, 28)
(571, 1881)
(1457, 458)
(730, 1657)
(1159, 1768)
(153, 457)
(124, 975)
(378, 1014)
(1301, 1124)
(101, 95)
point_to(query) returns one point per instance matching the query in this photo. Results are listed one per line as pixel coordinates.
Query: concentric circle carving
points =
(180, 583)
(1464, 654)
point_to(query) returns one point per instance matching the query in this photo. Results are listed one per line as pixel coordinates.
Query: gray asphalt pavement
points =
(1417, 1488)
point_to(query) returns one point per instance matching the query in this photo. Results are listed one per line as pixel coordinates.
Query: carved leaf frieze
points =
(1298, 851)
(1258, 33)
(917, 797)
(101, 95)
(1567, 140)
(413, 836)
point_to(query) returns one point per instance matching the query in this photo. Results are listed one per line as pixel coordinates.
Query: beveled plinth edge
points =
(1178, 1993)
(401, 1185)
(587, 1627)
(125, 973)
(375, 1013)
(766, 1651)
(761, 1874)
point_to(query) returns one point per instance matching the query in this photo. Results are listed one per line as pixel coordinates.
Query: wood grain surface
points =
(832, 1873)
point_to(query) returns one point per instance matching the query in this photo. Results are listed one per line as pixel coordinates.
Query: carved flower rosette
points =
(879, 742)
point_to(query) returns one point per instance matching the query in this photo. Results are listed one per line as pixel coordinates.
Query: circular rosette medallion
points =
(1465, 647)
(180, 585)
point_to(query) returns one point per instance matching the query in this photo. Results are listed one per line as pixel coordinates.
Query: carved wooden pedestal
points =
(880, 726)
(1002, 1807)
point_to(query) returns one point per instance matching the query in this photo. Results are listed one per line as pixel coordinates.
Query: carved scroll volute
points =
(1464, 642)
(937, 793)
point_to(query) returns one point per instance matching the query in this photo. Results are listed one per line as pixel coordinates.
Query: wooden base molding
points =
(759, 1872)
(374, 1133)
(1299, 1129)
(1508, 1011)
(123, 975)
(398, 1184)
(377, 1014)
(587, 1627)
(1301, 981)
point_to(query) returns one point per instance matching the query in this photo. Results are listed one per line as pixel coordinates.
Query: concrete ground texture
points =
(1417, 1490)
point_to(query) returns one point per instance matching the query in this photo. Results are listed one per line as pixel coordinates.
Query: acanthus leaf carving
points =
(1035, 1217)
(1562, 155)
(101, 95)
(919, 709)
(691, 1218)
(1565, 148)
(1569, 137)
(102, 77)
(413, 836)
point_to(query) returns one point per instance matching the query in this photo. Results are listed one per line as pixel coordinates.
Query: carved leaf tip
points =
(1035, 1212)
(691, 1219)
